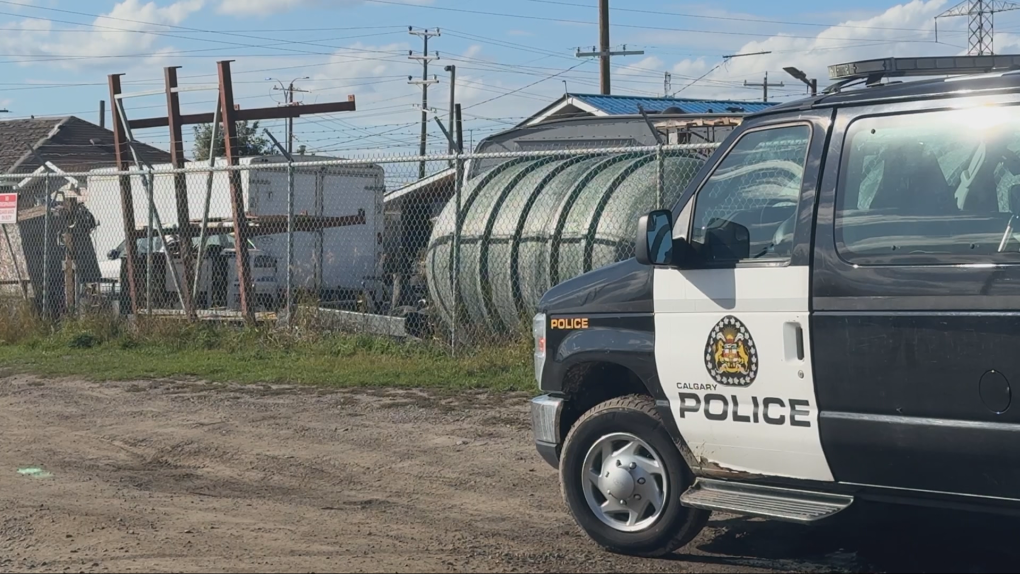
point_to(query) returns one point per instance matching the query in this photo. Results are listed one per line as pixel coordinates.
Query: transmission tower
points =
(981, 30)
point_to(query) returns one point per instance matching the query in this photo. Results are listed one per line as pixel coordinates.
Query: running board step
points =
(765, 501)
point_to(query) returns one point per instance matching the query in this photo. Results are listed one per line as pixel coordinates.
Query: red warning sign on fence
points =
(8, 208)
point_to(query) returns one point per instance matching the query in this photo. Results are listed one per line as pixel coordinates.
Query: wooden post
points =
(604, 58)
(229, 115)
(127, 204)
(173, 103)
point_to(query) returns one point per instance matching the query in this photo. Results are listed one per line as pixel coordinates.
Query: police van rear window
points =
(931, 188)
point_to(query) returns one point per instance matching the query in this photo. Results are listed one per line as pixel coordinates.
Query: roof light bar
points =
(932, 66)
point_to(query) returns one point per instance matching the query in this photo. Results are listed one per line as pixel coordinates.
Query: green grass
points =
(104, 349)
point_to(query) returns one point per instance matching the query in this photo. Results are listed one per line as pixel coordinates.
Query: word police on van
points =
(829, 314)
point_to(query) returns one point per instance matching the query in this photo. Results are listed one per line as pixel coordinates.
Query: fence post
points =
(46, 250)
(290, 242)
(458, 188)
(149, 247)
(660, 177)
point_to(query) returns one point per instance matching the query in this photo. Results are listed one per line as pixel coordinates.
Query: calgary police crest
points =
(730, 354)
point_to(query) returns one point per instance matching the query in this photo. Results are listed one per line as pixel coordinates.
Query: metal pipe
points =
(660, 179)
(290, 241)
(149, 180)
(148, 242)
(290, 223)
(237, 207)
(126, 202)
(290, 121)
(459, 187)
(453, 99)
(46, 250)
(202, 237)
(456, 252)
(173, 102)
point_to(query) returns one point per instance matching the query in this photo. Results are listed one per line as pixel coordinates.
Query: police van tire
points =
(634, 415)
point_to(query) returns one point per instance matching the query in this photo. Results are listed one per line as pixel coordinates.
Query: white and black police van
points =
(829, 314)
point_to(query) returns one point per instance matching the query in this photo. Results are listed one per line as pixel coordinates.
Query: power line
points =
(231, 31)
(649, 72)
(731, 18)
(179, 53)
(633, 26)
(525, 87)
(175, 27)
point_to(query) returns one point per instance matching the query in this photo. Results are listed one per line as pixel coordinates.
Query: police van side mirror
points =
(654, 244)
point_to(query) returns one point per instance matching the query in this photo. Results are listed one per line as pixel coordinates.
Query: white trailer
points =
(331, 261)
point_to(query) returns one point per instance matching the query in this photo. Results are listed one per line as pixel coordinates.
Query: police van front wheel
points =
(622, 477)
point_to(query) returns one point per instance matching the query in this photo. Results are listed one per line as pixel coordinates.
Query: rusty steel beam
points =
(253, 114)
(127, 204)
(271, 224)
(229, 115)
(186, 120)
(173, 105)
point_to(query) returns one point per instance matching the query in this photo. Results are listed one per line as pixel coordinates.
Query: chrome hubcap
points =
(625, 482)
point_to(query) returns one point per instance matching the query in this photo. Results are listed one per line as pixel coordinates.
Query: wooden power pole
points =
(764, 86)
(605, 53)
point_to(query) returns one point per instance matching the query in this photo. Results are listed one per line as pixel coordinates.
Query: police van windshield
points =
(931, 188)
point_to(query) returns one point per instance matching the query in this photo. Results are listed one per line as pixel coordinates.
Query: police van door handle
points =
(793, 337)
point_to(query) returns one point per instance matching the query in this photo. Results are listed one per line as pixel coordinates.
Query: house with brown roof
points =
(70, 143)
(29, 147)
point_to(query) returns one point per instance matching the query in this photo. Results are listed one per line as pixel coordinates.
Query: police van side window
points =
(756, 188)
(931, 188)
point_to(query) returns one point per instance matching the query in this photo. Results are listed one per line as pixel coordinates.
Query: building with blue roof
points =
(588, 105)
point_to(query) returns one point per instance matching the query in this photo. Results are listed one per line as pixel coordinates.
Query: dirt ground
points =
(162, 476)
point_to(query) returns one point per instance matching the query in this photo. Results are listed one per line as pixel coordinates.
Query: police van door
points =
(731, 319)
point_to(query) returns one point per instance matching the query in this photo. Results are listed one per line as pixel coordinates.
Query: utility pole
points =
(288, 93)
(424, 82)
(604, 52)
(981, 28)
(667, 85)
(764, 86)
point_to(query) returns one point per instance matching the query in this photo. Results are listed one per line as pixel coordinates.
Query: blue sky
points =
(512, 57)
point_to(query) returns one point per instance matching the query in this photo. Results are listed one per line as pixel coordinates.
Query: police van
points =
(830, 314)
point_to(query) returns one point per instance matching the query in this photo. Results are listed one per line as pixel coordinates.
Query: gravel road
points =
(170, 476)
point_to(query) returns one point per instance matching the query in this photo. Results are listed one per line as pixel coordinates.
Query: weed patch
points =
(104, 348)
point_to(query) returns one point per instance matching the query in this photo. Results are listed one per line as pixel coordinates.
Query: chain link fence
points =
(462, 256)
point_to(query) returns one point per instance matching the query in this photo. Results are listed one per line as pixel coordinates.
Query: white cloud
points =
(641, 67)
(258, 8)
(902, 30)
(118, 35)
(472, 52)
(268, 7)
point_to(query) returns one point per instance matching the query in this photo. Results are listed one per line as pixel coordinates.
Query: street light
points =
(811, 83)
